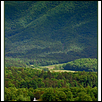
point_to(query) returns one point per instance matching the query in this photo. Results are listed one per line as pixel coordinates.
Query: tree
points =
(10, 84)
(69, 96)
(31, 93)
(49, 95)
(22, 98)
(60, 95)
(53, 95)
(94, 93)
(7, 94)
(82, 96)
(10, 93)
(59, 84)
(33, 84)
(49, 74)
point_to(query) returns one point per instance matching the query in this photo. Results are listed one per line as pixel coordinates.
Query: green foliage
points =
(25, 62)
(53, 95)
(69, 96)
(26, 83)
(49, 94)
(86, 64)
(52, 31)
(14, 94)
(22, 98)
(82, 96)
(32, 78)
(17, 62)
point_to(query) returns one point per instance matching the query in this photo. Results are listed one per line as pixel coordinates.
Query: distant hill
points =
(83, 64)
(57, 31)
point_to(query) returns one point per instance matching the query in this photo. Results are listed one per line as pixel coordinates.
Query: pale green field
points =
(51, 68)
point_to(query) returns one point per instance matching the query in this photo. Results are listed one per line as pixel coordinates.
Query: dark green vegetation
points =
(23, 62)
(83, 64)
(23, 84)
(49, 32)
(42, 33)
(86, 64)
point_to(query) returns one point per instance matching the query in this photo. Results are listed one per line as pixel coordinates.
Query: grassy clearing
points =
(62, 71)
(51, 68)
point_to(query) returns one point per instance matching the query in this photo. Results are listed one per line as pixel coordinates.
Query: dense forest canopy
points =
(86, 64)
(50, 31)
(26, 83)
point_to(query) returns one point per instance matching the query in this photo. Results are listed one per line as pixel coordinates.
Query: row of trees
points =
(87, 64)
(27, 77)
(25, 62)
(70, 94)
(51, 94)
(23, 84)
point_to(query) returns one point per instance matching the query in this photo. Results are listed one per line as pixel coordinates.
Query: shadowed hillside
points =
(50, 31)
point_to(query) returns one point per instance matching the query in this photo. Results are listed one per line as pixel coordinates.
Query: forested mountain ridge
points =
(57, 31)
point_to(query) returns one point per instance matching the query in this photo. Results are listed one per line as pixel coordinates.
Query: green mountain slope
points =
(86, 64)
(51, 30)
